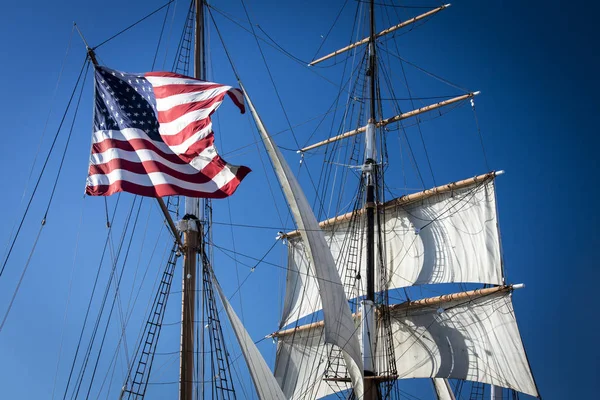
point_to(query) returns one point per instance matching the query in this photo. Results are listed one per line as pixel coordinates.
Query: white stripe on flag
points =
(176, 126)
(167, 103)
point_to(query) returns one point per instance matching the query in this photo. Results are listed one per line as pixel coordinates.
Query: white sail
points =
(443, 238)
(339, 328)
(442, 389)
(264, 382)
(475, 339)
(301, 365)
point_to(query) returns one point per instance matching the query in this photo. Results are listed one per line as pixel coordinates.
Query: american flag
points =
(153, 136)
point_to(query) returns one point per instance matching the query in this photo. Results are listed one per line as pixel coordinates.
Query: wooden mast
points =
(192, 235)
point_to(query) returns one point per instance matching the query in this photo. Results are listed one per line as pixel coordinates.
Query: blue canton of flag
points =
(125, 101)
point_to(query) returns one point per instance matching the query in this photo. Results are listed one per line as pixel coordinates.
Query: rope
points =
(37, 152)
(43, 223)
(64, 324)
(162, 29)
(412, 103)
(132, 25)
(330, 29)
(8, 254)
(89, 303)
(12, 299)
(487, 166)
(431, 74)
(273, 45)
(115, 299)
(62, 160)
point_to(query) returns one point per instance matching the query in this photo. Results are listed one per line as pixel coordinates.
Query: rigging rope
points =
(43, 223)
(132, 25)
(62, 160)
(8, 254)
(330, 29)
(273, 45)
(14, 295)
(412, 103)
(487, 166)
(116, 297)
(431, 74)
(162, 29)
(44, 130)
(90, 303)
(64, 324)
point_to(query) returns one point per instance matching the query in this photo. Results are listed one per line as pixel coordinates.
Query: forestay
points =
(443, 238)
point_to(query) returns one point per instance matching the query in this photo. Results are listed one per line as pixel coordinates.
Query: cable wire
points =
(8, 254)
(132, 25)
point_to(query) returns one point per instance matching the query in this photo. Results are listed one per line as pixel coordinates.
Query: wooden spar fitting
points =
(410, 305)
(167, 215)
(382, 33)
(388, 121)
(302, 328)
(410, 198)
(407, 199)
(434, 301)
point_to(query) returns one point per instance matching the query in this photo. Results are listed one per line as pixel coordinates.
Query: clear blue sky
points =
(535, 63)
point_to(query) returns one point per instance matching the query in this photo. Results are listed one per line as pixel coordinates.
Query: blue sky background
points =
(535, 63)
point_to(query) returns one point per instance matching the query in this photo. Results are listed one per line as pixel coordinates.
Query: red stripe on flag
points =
(134, 145)
(207, 173)
(196, 148)
(179, 110)
(236, 100)
(167, 189)
(187, 132)
(145, 168)
(162, 92)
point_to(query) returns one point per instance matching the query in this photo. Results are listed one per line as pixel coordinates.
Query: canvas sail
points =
(474, 339)
(444, 238)
(302, 363)
(339, 327)
(264, 382)
(442, 389)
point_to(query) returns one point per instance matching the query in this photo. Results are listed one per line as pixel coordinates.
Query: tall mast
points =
(192, 235)
(370, 177)
(370, 165)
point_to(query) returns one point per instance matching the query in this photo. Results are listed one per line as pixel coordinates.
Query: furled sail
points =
(265, 383)
(470, 336)
(339, 327)
(443, 235)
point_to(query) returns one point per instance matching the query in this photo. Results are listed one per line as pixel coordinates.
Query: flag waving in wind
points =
(153, 136)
